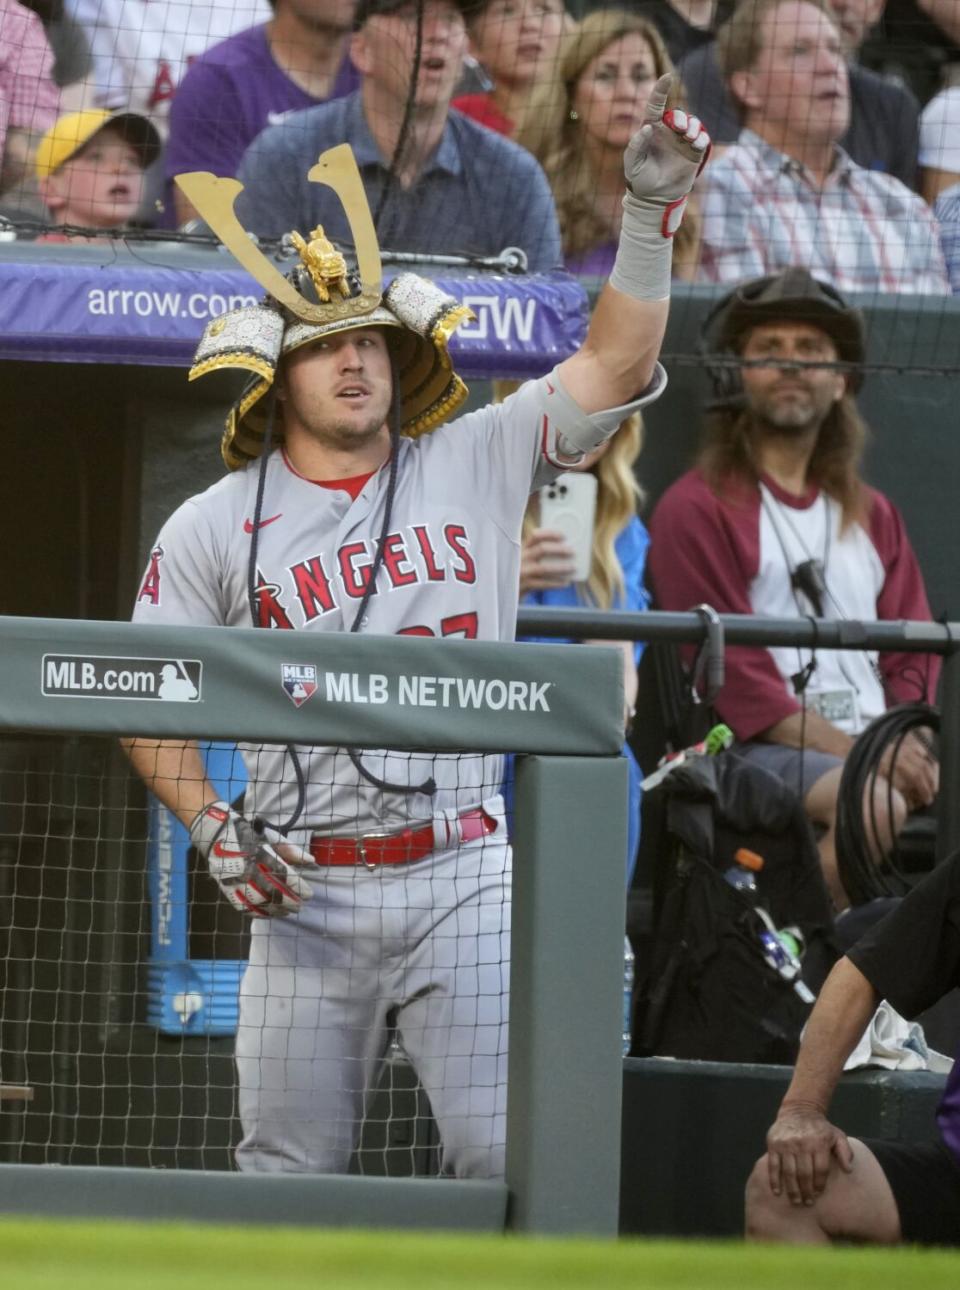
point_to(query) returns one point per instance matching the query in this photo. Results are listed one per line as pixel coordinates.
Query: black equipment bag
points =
(709, 993)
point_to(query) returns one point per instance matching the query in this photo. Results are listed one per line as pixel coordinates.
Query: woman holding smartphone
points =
(615, 581)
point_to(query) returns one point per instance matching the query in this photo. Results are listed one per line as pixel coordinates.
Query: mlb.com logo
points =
(300, 682)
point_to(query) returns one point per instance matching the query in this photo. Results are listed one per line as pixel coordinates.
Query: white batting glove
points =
(664, 157)
(660, 163)
(246, 866)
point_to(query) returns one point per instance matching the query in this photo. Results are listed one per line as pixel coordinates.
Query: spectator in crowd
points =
(516, 43)
(947, 213)
(775, 519)
(579, 123)
(254, 79)
(436, 181)
(620, 545)
(786, 193)
(141, 50)
(29, 100)
(90, 166)
(814, 1185)
(685, 25)
(883, 132)
(916, 42)
(71, 52)
(940, 144)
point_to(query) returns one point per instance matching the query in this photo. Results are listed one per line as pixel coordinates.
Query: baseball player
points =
(379, 891)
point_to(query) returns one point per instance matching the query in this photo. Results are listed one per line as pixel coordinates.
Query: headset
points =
(792, 295)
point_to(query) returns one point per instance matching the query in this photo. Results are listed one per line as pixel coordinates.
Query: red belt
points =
(402, 846)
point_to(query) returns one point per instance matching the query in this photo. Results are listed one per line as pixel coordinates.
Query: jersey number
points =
(464, 625)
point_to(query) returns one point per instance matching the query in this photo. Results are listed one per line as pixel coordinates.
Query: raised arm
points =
(618, 358)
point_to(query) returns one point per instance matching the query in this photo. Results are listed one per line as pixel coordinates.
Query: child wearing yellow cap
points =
(91, 165)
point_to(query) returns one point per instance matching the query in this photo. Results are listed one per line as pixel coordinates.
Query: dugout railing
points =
(563, 1118)
(941, 638)
(564, 1098)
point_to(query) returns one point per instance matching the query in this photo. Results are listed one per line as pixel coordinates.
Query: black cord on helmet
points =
(867, 873)
(429, 786)
(404, 124)
(254, 603)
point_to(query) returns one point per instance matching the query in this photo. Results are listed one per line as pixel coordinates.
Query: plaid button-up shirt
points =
(29, 99)
(862, 231)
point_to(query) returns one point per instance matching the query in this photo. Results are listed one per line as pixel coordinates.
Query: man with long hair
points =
(775, 519)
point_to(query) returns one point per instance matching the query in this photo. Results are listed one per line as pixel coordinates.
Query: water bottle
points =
(780, 949)
(628, 970)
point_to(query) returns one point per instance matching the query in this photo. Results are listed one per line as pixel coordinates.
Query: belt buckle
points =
(367, 837)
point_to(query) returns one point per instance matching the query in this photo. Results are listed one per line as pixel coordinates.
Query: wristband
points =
(645, 252)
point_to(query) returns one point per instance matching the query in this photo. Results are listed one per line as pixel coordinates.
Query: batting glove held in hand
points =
(245, 866)
(664, 157)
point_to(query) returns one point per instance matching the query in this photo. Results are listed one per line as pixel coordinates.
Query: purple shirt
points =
(231, 93)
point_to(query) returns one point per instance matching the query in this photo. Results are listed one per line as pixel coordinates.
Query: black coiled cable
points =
(869, 868)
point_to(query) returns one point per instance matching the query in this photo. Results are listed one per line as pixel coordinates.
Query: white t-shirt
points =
(940, 132)
(142, 48)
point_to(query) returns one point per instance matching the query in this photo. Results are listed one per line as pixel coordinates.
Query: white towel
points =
(892, 1042)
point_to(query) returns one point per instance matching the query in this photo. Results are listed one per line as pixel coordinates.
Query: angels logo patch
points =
(300, 682)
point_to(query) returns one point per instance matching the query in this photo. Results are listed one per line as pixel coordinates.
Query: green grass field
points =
(59, 1255)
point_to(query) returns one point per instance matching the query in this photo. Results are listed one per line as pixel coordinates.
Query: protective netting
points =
(122, 963)
(240, 88)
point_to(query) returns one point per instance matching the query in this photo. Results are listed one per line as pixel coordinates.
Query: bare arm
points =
(626, 649)
(809, 730)
(933, 182)
(617, 358)
(802, 1141)
(174, 772)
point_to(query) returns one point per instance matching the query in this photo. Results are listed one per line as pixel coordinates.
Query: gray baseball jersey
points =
(451, 568)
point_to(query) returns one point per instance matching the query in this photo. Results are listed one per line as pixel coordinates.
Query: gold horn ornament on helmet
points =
(418, 318)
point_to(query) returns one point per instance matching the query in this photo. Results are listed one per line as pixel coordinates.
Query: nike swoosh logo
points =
(225, 853)
(248, 524)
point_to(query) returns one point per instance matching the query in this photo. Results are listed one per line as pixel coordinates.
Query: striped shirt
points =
(862, 231)
(947, 212)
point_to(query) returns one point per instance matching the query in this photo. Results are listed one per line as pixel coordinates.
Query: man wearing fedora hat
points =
(775, 519)
(437, 181)
(378, 882)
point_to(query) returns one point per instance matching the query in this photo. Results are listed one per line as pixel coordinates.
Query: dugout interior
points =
(97, 455)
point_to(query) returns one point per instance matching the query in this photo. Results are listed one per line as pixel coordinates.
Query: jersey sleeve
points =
(907, 677)
(506, 450)
(912, 957)
(699, 554)
(182, 582)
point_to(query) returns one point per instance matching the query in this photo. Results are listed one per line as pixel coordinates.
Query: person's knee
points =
(763, 1212)
(820, 801)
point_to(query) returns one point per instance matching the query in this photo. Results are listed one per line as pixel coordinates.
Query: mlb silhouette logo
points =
(299, 681)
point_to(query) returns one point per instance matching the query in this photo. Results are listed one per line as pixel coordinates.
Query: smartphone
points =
(569, 505)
